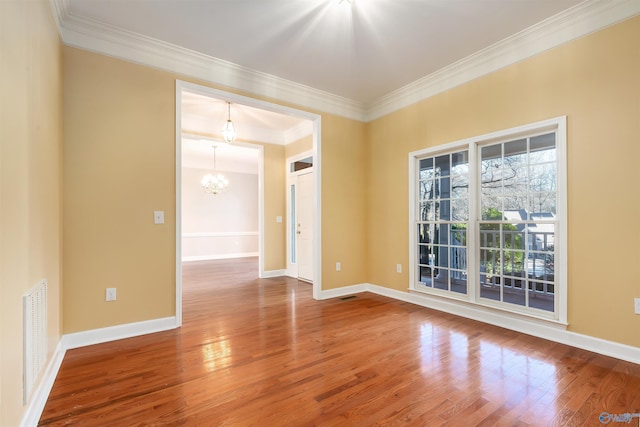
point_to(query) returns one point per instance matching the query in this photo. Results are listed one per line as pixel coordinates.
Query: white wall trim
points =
(585, 18)
(267, 274)
(118, 332)
(536, 327)
(43, 389)
(220, 234)
(344, 291)
(220, 256)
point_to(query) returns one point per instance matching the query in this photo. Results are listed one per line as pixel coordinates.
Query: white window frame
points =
(557, 125)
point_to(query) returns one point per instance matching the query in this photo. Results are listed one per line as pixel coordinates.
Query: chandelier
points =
(228, 130)
(214, 183)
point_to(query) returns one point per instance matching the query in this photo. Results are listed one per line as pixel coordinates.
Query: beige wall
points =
(594, 81)
(30, 182)
(300, 146)
(275, 204)
(344, 202)
(119, 167)
(119, 162)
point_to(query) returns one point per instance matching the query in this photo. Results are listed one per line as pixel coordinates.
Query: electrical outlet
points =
(158, 217)
(399, 268)
(111, 294)
(636, 303)
(338, 266)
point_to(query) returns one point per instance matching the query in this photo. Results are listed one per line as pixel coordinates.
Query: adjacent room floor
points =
(262, 352)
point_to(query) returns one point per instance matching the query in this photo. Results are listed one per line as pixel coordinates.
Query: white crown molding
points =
(580, 20)
(95, 36)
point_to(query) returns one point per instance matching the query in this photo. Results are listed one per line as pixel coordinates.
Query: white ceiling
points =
(361, 50)
(204, 115)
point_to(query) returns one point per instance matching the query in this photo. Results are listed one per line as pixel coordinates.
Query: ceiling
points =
(360, 50)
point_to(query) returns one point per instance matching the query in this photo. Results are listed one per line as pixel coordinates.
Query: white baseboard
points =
(118, 332)
(344, 291)
(267, 274)
(41, 393)
(220, 256)
(80, 339)
(541, 329)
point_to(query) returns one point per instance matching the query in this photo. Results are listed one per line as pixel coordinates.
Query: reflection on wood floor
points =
(262, 352)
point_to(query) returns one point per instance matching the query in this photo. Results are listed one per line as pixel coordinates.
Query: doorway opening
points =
(254, 120)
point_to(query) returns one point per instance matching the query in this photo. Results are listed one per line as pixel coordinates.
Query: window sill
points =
(488, 313)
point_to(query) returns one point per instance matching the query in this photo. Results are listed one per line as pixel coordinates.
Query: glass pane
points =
(301, 164)
(541, 237)
(425, 233)
(443, 187)
(543, 142)
(458, 281)
(515, 207)
(459, 210)
(442, 236)
(425, 276)
(442, 165)
(542, 177)
(515, 153)
(541, 296)
(441, 256)
(513, 236)
(490, 235)
(514, 291)
(513, 263)
(542, 203)
(427, 211)
(458, 235)
(441, 279)
(425, 253)
(427, 190)
(458, 258)
(490, 263)
(491, 181)
(426, 164)
(443, 211)
(492, 208)
(541, 266)
(460, 163)
(491, 157)
(460, 186)
(514, 180)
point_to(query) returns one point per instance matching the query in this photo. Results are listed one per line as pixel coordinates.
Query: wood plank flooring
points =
(263, 353)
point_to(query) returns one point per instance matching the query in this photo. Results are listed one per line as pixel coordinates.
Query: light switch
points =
(278, 219)
(158, 217)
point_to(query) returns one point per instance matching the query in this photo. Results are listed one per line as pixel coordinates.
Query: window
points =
(442, 222)
(488, 218)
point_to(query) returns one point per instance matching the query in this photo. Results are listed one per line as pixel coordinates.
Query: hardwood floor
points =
(264, 353)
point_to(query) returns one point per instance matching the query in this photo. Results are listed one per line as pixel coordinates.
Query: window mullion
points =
(473, 236)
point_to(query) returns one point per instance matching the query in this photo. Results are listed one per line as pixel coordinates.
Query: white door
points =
(304, 226)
